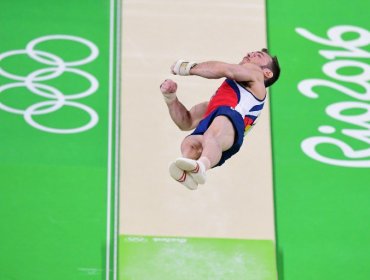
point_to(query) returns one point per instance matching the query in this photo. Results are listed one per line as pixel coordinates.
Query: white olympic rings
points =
(56, 66)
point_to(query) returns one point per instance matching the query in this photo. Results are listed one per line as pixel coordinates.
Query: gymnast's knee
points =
(191, 148)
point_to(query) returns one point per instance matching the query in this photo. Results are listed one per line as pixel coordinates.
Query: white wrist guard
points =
(169, 97)
(183, 67)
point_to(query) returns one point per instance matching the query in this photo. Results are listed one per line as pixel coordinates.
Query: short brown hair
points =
(274, 67)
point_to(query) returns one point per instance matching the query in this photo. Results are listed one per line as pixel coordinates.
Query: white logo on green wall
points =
(55, 66)
(349, 54)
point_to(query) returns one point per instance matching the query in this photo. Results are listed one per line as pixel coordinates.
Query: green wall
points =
(320, 128)
(58, 139)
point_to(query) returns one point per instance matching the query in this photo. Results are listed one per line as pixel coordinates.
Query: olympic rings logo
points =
(55, 67)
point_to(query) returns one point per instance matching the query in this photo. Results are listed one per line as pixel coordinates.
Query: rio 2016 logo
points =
(55, 66)
(351, 51)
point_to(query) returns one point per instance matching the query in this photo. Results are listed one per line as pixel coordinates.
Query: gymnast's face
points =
(258, 58)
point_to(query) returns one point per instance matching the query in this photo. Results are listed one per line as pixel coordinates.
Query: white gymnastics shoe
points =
(196, 169)
(182, 177)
